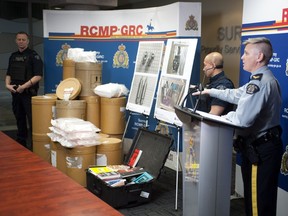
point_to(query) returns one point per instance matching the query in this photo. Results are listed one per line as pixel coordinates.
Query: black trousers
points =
(22, 109)
(261, 180)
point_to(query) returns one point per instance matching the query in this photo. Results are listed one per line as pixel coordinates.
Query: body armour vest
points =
(20, 68)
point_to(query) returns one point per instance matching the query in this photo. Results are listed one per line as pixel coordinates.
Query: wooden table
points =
(31, 186)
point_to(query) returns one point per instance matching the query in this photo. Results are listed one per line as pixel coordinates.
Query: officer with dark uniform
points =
(213, 69)
(258, 113)
(25, 70)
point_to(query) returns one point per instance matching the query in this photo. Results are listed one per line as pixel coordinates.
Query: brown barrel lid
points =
(66, 84)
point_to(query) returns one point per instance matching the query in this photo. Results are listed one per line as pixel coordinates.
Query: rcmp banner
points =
(115, 36)
(266, 18)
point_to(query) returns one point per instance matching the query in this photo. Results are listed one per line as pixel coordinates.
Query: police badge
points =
(191, 24)
(284, 162)
(252, 88)
(62, 54)
(121, 58)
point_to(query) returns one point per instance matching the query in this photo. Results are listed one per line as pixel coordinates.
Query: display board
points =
(145, 77)
(175, 78)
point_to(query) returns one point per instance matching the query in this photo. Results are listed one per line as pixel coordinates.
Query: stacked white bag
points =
(73, 132)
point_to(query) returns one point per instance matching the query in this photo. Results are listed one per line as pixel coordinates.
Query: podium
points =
(207, 163)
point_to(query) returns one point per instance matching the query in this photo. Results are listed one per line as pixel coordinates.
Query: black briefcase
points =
(155, 148)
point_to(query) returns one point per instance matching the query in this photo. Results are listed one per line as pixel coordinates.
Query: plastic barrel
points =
(112, 149)
(78, 159)
(118, 136)
(71, 109)
(58, 156)
(68, 69)
(43, 110)
(92, 109)
(112, 119)
(51, 94)
(90, 75)
(41, 146)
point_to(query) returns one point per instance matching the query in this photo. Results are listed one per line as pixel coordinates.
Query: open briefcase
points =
(155, 148)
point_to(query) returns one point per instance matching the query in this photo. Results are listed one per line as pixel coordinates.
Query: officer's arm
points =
(35, 80)
(8, 84)
(29, 83)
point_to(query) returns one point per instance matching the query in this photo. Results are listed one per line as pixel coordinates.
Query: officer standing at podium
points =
(259, 142)
(25, 70)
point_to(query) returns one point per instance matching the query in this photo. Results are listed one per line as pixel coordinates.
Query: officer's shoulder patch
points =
(252, 89)
(257, 77)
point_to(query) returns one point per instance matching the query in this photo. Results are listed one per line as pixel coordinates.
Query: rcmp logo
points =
(284, 163)
(150, 27)
(62, 54)
(121, 58)
(191, 24)
(252, 88)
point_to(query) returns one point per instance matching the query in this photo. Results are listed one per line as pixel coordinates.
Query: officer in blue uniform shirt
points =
(213, 69)
(25, 70)
(258, 113)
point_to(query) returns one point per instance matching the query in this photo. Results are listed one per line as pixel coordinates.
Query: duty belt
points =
(248, 146)
(272, 133)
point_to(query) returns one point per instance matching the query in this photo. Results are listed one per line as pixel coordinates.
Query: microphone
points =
(200, 89)
(209, 69)
(192, 88)
(216, 67)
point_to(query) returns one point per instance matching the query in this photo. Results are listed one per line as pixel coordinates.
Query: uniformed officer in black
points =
(25, 70)
(259, 142)
(213, 69)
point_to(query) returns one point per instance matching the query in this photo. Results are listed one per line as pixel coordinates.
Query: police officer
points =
(213, 69)
(25, 70)
(258, 112)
